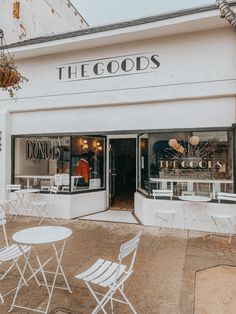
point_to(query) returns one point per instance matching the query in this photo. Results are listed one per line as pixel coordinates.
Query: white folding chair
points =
(189, 190)
(45, 184)
(164, 217)
(10, 253)
(65, 182)
(43, 206)
(161, 193)
(112, 276)
(58, 180)
(13, 205)
(224, 219)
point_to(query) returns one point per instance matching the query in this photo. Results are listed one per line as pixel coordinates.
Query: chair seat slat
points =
(226, 194)
(108, 274)
(98, 272)
(102, 273)
(12, 252)
(91, 270)
(221, 214)
(111, 276)
(227, 198)
(166, 211)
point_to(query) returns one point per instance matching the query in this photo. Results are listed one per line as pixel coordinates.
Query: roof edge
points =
(108, 27)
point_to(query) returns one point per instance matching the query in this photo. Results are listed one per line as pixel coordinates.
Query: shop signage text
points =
(40, 149)
(108, 67)
(190, 163)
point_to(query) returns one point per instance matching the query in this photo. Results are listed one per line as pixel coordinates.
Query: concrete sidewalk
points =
(164, 279)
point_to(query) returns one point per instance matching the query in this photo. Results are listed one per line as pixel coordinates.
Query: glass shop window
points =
(72, 163)
(87, 163)
(42, 162)
(190, 163)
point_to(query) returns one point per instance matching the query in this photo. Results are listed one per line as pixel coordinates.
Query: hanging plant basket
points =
(10, 77)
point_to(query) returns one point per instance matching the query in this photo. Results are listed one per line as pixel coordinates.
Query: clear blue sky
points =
(97, 12)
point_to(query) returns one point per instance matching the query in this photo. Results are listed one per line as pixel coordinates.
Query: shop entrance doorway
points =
(122, 173)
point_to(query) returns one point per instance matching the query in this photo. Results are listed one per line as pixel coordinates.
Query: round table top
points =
(24, 191)
(42, 235)
(195, 198)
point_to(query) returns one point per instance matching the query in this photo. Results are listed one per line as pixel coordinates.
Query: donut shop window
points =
(73, 163)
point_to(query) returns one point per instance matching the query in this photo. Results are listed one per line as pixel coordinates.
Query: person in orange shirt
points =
(82, 169)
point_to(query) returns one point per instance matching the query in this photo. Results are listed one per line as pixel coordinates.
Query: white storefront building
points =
(145, 104)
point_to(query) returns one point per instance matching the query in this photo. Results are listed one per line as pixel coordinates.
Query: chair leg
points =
(112, 307)
(7, 271)
(101, 303)
(232, 227)
(127, 300)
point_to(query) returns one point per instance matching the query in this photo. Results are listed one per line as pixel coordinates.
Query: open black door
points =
(122, 173)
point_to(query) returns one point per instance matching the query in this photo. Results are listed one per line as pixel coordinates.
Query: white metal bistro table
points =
(55, 236)
(194, 213)
(23, 205)
(28, 178)
(197, 181)
(3, 205)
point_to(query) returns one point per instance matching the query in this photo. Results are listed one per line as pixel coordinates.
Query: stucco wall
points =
(194, 87)
(38, 18)
(192, 66)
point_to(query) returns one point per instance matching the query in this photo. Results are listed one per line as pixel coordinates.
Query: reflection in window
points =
(191, 162)
(72, 163)
(87, 162)
(41, 162)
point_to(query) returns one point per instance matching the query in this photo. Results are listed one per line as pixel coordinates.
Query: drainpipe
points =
(5, 153)
(227, 12)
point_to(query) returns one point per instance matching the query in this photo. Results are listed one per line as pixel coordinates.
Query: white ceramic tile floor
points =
(114, 216)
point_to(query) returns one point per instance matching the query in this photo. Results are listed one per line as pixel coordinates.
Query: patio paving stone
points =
(164, 279)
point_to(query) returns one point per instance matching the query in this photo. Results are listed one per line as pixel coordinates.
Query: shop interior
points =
(122, 173)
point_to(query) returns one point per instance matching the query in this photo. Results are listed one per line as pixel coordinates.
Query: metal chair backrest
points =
(129, 248)
(166, 193)
(53, 189)
(226, 197)
(53, 193)
(3, 223)
(13, 187)
(65, 179)
(58, 179)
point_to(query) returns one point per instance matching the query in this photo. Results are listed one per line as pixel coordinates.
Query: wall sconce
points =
(99, 146)
(85, 145)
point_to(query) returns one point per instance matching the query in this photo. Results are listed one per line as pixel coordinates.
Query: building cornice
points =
(169, 24)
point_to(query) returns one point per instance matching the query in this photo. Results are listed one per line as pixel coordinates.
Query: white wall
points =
(194, 87)
(65, 206)
(145, 210)
(38, 18)
(216, 112)
(198, 65)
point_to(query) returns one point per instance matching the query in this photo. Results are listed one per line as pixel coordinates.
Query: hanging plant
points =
(10, 77)
(227, 12)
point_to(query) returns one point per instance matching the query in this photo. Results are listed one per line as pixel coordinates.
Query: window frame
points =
(70, 135)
